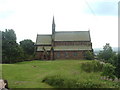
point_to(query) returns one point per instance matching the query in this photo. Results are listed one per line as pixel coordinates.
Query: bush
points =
(89, 55)
(59, 81)
(117, 70)
(108, 71)
(55, 80)
(94, 66)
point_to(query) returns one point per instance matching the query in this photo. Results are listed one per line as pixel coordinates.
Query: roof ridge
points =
(44, 34)
(69, 31)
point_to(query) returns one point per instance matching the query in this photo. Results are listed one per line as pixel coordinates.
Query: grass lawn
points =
(29, 74)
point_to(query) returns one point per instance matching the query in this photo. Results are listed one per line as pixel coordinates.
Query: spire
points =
(53, 26)
(53, 21)
(53, 38)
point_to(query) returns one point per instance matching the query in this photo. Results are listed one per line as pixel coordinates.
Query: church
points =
(63, 44)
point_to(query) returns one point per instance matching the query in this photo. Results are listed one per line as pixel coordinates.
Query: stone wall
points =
(61, 55)
(65, 54)
(69, 54)
(41, 55)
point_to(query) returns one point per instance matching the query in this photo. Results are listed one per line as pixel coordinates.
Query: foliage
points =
(93, 66)
(89, 55)
(54, 80)
(108, 71)
(10, 49)
(117, 70)
(59, 81)
(107, 54)
(13, 52)
(28, 46)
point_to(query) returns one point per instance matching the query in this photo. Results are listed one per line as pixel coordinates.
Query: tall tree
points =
(107, 54)
(111, 57)
(10, 49)
(28, 46)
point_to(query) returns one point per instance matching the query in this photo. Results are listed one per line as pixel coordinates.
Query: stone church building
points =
(63, 44)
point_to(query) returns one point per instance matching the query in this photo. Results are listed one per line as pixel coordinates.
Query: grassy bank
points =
(31, 74)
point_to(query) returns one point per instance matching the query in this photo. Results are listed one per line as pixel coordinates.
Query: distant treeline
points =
(12, 51)
(115, 49)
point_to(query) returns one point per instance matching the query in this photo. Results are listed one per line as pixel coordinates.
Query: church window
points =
(66, 54)
(75, 54)
(58, 54)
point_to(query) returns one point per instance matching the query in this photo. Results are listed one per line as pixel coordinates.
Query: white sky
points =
(31, 17)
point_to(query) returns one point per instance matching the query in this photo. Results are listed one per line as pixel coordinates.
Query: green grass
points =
(30, 74)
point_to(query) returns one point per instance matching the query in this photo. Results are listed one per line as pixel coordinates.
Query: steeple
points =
(53, 26)
(53, 21)
(53, 37)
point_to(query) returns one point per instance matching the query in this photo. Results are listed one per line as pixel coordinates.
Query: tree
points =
(111, 57)
(10, 49)
(28, 47)
(107, 54)
(8, 43)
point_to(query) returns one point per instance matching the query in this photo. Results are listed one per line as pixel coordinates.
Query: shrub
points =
(55, 80)
(65, 82)
(108, 71)
(89, 55)
(94, 66)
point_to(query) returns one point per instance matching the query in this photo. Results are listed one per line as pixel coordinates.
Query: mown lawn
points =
(30, 74)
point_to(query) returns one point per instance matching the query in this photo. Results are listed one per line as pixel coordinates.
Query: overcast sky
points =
(31, 17)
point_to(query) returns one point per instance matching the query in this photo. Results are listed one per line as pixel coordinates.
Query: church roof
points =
(72, 36)
(40, 48)
(72, 48)
(64, 36)
(43, 40)
(65, 48)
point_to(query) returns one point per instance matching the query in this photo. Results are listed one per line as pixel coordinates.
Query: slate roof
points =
(72, 36)
(64, 36)
(73, 48)
(66, 48)
(40, 48)
(43, 39)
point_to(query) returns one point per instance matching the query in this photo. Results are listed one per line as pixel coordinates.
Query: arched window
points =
(58, 54)
(66, 54)
(75, 54)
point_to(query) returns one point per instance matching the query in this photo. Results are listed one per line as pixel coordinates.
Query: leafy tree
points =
(111, 57)
(107, 54)
(28, 46)
(10, 49)
(89, 55)
(8, 43)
